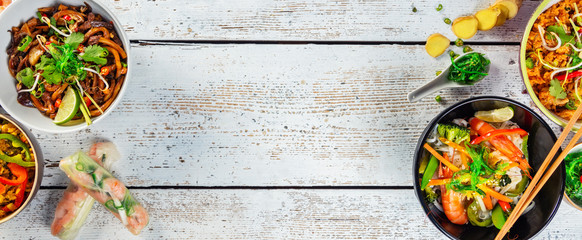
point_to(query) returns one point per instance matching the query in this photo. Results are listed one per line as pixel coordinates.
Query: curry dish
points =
(17, 168)
(554, 58)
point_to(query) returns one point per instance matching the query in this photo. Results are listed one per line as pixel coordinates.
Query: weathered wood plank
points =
(275, 115)
(301, 20)
(264, 214)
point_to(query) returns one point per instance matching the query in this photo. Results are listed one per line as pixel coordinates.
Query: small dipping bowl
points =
(573, 203)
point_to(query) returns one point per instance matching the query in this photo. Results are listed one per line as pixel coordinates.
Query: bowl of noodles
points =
(21, 168)
(65, 63)
(486, 168)
(551, 59)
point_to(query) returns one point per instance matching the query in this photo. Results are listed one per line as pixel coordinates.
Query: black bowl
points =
(540, 142)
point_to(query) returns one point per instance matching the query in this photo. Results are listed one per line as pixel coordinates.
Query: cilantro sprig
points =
(556, 89)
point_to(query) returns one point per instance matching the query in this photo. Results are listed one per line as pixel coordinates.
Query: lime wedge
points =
(496, 115)
(69, 107)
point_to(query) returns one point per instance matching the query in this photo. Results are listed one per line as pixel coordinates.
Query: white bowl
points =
(21, 11)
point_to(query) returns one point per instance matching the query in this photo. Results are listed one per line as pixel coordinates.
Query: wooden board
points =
(264, 214)
(301, 20)
(276, 115)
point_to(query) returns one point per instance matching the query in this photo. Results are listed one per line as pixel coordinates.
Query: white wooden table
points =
(278, 119)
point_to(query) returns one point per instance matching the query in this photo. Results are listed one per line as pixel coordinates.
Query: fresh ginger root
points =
(511, 5)
(465, 27)
(436, 44)
(488, 18)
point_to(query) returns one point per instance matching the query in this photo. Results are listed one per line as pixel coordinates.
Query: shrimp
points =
(106, 189)
(76, 203)
(501, 143)
(452, 201)
(138, 220)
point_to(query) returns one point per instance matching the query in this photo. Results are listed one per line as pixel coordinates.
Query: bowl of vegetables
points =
(21, 168)
(473, 162)
(65, 63)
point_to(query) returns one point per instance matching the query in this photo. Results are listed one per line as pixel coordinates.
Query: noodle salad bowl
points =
(98, 54)
(538, 75)
(34, 170)
(539, 143)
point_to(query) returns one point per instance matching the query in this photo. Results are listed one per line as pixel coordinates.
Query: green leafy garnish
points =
(573, 170)
(556, 89)
(75, 39)
(95, 54)
(26, 77)
(50, 72)
(566, 38)
(469, 69)
(571, 105)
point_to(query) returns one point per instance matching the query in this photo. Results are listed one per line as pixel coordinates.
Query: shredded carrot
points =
(455, 146)
(441, 158)
(440, 181)
(493, 193)
(464, 161)
(511, 165)
(487, 202)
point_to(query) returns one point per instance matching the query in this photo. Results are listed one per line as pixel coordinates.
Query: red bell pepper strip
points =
(19, 194)
(504, 206)
(2, 189)
(498, 132)
(501, 143)
(570, 75)
(19, 172)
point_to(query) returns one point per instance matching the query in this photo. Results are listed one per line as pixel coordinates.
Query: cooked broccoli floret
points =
(431, 195)
(454, 133)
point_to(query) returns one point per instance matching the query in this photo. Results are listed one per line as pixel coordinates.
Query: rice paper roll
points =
(74, 207)
(106, 189)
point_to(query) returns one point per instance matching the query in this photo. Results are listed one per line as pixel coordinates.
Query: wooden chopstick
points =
(533, 188)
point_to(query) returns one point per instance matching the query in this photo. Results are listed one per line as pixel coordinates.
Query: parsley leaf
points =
(96, 54)
(561, 34)
(75, 39)
(26, 77)
(556, 89)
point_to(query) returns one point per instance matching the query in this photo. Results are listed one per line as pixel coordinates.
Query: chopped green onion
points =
(529, 63)
(467, 49)
(414, 9)
(459, 42)
(439, 72)
(447, 21)
(440, 7)
(24, 43)
(438, 98)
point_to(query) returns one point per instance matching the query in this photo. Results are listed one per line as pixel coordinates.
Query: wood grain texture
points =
(276, 115)
(264, 214)
(300, 20)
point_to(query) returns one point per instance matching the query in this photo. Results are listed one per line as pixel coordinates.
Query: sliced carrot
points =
(511, 165)
(487, 202)
(441, 158)
(493, 193)
(455, 146)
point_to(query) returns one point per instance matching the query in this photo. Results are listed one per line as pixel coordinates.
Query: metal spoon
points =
(440, 82)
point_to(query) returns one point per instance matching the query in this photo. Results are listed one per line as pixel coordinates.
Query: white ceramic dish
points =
(20, 11)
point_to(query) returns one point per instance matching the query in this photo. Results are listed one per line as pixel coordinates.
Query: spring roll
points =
(74, 207)
(106, 189)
